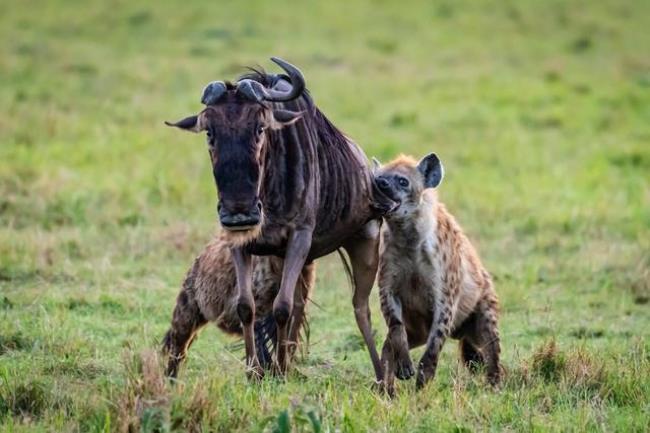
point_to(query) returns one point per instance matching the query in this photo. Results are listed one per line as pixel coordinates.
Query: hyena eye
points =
(403, 182)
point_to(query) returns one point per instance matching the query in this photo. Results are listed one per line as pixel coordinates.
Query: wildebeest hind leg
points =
(364, 258)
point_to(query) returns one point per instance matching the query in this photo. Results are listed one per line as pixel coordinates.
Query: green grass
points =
(539, 110)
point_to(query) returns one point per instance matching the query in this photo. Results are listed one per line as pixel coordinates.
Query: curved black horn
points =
(297, 83)
(213, 92)
(256, 91)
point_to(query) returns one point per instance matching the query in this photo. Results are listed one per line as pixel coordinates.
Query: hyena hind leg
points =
(471, 356)
(186, 321)
(485, 338)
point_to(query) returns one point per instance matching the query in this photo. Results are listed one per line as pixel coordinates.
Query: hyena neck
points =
(418, 227)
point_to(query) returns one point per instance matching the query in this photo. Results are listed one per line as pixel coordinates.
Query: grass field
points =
(539, 110)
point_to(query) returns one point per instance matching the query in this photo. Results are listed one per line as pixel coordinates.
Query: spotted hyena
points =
(432, 283)
(209, 294)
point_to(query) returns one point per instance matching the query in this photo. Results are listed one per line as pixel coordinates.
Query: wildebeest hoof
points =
(404, 369)
(383, 387)
(278, 371)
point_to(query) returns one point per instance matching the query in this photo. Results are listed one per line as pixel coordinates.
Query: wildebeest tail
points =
(346, 266)
(266, 337)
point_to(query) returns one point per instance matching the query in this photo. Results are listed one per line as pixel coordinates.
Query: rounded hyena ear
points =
(432, 170)
(376, 165)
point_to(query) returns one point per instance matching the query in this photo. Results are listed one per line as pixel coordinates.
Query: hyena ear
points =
(376, 165)
(432, 170)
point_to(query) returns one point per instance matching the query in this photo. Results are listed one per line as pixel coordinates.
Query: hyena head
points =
(403, 180)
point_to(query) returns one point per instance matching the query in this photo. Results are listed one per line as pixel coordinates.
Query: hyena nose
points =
(383, 183)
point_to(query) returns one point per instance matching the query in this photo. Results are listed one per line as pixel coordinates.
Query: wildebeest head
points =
(237, 120)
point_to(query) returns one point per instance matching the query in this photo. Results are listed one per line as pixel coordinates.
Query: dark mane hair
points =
(326, 129)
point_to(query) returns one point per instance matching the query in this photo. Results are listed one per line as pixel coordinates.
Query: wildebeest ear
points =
(432, 170)
(190, 123)
(285, 117)
(376, 165)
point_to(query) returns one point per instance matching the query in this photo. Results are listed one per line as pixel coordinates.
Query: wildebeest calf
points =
(432, 283)
(209, 294)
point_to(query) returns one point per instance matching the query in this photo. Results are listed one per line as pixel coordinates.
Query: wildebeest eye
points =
(260, 130)
(403, 182)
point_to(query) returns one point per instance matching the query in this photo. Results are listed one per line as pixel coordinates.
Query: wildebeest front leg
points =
(437, 336)
(297, 250)
(246, 309)
(364, 257)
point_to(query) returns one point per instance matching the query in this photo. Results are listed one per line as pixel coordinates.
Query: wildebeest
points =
(209, 294)
(432, 284)
(289, 184)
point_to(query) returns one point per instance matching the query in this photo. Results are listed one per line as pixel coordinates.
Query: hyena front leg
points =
(437, 336)
(186, 321)
(396, 338)
(301, 297)
(388, 364)
(403, 364)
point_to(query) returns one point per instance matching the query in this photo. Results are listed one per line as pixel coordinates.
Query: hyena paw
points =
(404, 368)
(254, 371)
(424, 375)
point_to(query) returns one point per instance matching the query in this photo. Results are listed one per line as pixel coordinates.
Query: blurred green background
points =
(540, 112)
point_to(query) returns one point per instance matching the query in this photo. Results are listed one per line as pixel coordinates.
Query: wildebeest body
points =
(290, 184)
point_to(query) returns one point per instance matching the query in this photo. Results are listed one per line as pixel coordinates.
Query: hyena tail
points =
(266, 338)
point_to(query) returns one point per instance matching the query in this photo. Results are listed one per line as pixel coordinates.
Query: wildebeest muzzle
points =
(240, 216)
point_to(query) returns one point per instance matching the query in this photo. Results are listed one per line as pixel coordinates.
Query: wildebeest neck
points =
(314, 177)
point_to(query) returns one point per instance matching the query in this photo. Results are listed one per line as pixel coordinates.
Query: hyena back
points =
(432, 283)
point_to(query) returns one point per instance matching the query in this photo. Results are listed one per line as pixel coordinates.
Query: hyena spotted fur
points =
(209, 294)
(432, 283)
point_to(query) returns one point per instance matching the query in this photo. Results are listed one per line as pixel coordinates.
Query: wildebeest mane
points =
(338, 157)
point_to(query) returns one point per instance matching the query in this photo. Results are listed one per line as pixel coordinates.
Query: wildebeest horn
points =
(297, 83)
(213, 92)
(252, 89)
(256, 91)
